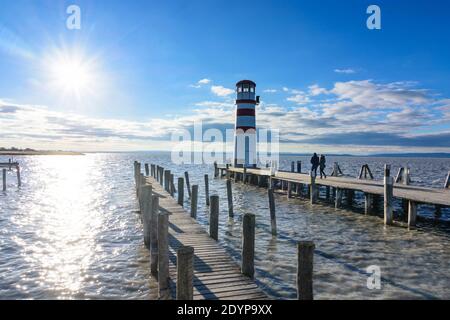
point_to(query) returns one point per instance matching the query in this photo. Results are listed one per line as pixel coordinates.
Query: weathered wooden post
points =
(447, 181)
(146, 194)
(305, 265)
(19, 180)
(273, 217)
(4, 179)
(230, 198)
(248, 245)
(161, 176)
(152, 170)
(167, 180)
(327, 192)
(289, 190)
(172, 185)
(244, 176)
(388, 195)
(313, 189)
(154, 234)
(368, 203)
(214, 218)
(350, 196)
(163, 255)
(228, 171)
(299, 167)
(180, 191)
(412, 214)
(188, 185)
(207, 189)
(157, 173)
(147, 171)
(194, 199)
(338, 198)
(185, 273)
(292, 166)
(216, 170)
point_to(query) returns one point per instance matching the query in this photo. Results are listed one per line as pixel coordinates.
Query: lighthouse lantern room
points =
(245, 131)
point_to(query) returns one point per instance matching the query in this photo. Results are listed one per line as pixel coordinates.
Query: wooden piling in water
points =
(305, 265)
(188, 185)
(4, 179)
(368, 203)
(147, 171)
(289, 190)
(214, 218)
(447, 181)
(154, 234)
(230, 198)
(299, 167)
(167, 180)
(207, 189)
(313, 189)
(185, 273)
(292, 166)
(180, 191)
(194, 200)
(19, 180)
(216, 170)
(152, 170)
(350, 196)
(163, 256)
(273, 217)
(412, 214)
(146, 194)
(338, 198)
(248, 245)
(172, 185)
(388, 195)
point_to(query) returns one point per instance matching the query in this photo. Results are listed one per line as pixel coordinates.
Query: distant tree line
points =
(15, 149)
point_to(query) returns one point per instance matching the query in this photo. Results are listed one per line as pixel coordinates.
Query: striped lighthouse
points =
(245, 130)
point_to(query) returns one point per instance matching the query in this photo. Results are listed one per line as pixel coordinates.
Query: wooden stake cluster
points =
(365, 172)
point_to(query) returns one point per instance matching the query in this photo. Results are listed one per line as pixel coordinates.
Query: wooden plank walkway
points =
(407, 192)
(216, 275)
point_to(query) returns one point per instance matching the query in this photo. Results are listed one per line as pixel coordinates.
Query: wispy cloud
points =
(270, 91)
(345, 71)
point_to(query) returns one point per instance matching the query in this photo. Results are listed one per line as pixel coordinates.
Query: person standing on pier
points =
(322, 165)
(314, 164)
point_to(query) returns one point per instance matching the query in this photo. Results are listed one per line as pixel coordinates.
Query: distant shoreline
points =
(40, 153)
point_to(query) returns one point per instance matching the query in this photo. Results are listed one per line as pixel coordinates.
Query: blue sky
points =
(326, 81)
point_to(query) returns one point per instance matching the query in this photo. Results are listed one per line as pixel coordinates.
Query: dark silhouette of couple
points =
(316, 163)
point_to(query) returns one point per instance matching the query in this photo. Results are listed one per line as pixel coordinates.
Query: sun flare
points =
(71, 74)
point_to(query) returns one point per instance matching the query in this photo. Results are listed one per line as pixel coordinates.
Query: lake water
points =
(72, 232)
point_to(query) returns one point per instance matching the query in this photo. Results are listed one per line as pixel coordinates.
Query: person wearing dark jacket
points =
(314, 164)
(322, 164)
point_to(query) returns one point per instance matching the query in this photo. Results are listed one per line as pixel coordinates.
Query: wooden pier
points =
(309, 186)
(214, 274)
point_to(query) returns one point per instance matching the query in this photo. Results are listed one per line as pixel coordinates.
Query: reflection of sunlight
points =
(68, 221)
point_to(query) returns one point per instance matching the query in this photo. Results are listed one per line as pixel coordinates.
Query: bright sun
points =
(71, 75)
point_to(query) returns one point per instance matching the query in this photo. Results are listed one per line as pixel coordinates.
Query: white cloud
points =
(316, 90)
(345, 71)
(221, 91)
(270, 90)
(201, 83)
(285, 89)
(299, 97)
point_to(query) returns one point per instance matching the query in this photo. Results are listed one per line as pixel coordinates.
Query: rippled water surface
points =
(72, 232)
